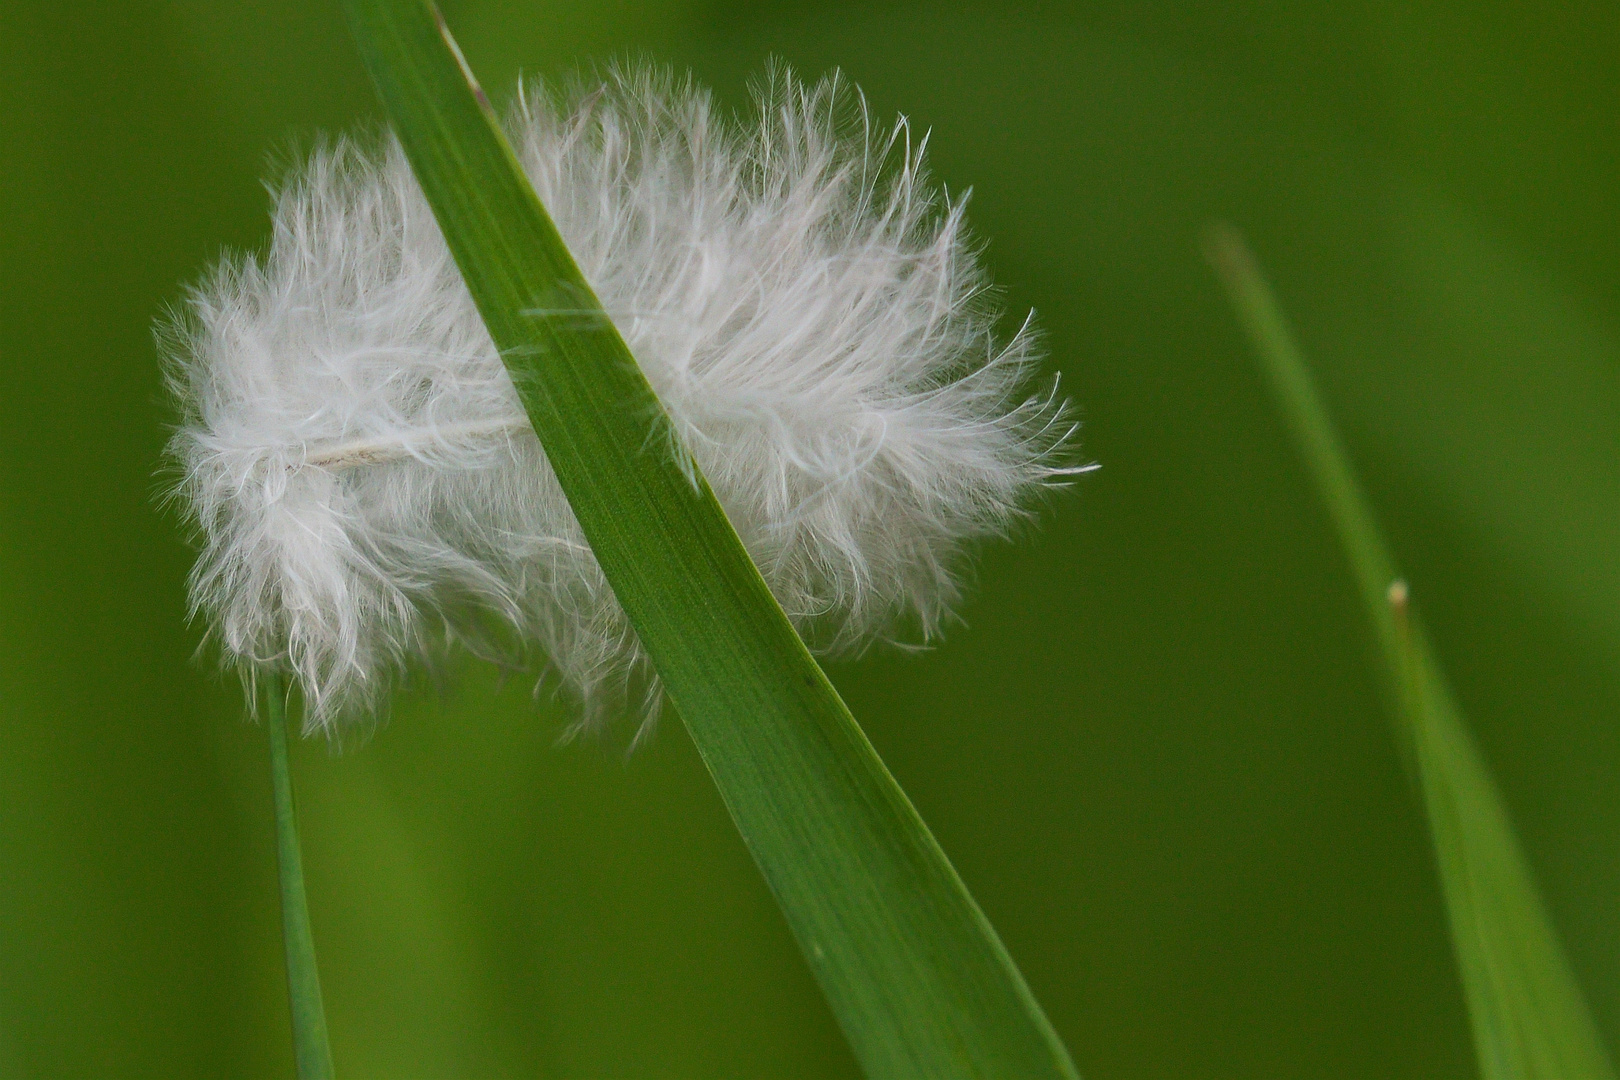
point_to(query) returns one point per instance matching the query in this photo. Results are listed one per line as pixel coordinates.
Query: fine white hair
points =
(810, 310)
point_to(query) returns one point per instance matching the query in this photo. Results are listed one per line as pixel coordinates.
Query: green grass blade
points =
(914, 973)
(1528, 1015)
(310, 1047)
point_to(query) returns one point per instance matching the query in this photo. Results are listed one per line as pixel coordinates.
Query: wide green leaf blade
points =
(913, 971)
(1529, 1018)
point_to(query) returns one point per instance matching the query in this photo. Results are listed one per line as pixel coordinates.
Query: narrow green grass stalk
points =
(310, 1046)
(1528, 1016)
(914, 973)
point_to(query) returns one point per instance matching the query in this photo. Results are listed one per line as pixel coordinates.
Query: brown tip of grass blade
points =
(1229, 253)
(461, 60)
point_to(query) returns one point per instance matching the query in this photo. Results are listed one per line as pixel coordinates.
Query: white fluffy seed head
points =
(367, 489)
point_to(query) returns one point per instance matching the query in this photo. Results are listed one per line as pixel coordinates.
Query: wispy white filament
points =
(808, 308)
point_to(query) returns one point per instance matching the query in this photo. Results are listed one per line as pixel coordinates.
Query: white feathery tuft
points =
(810, 311)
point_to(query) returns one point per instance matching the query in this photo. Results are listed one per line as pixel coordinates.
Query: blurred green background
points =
(1155, 749)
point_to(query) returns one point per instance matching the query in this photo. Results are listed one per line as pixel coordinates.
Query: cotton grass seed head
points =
(808, 307)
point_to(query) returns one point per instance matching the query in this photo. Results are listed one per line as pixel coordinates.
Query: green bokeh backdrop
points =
(1154, 747)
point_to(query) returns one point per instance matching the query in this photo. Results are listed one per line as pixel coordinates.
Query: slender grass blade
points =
(914, 973)
(1528, 1016)
(311, 1049)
